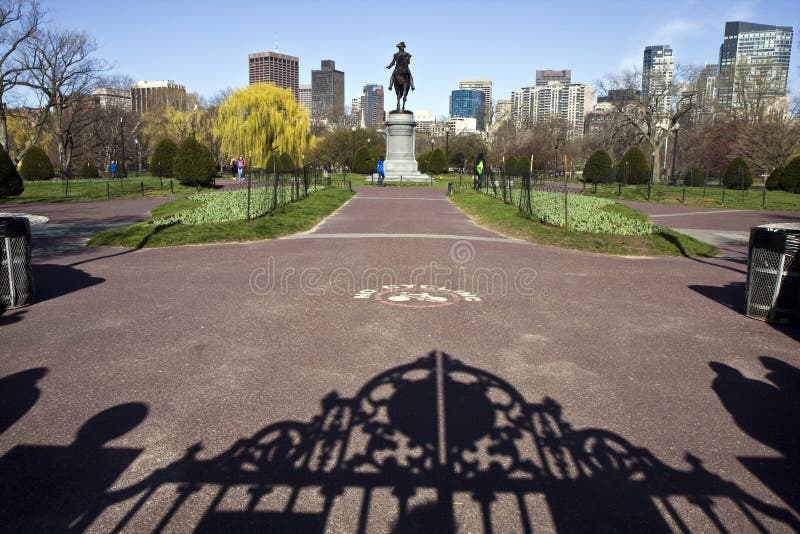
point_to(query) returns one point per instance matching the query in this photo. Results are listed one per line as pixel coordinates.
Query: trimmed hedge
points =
(638, 171)
(10, 181)
(790, 178)
(773, 181)
(599, 168)
(694, 177)
(194, 164)
(35, 165)
(737, 175)
(90, 170)
(163, 158)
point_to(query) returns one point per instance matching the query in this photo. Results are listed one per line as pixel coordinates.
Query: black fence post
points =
(723, 196)
(141, 185)
(450, 188)
(764, 198)
(108, 190)
(171, 189)
(683, 196)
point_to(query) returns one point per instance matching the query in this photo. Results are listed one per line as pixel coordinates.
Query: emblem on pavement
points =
(416, 296)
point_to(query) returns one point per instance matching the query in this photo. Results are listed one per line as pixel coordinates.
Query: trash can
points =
(16, 275)
(773, 273)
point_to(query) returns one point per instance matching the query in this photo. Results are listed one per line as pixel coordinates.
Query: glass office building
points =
(469, 103)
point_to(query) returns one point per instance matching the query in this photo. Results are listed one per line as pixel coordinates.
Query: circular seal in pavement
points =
(417, 296)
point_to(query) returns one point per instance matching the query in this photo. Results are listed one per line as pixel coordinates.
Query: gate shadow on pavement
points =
(54, 280)
(768, 411)
(422, 447)
(18, 394)
(730, 295)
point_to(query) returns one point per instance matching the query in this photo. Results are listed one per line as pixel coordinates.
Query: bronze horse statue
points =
(401, 79)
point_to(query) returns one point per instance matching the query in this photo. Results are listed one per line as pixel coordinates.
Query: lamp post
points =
(675, 151)
(124, 172)
(138, 158)
(354, 148)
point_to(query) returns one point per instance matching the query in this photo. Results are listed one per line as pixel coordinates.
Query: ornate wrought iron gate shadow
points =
(425, 447)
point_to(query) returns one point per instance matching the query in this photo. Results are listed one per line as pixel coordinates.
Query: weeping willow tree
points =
(260, 120)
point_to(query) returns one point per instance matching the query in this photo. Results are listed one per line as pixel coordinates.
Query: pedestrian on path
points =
(241, 163)
(233, 169)
(381, 176)
(480, 167)
(113, 168)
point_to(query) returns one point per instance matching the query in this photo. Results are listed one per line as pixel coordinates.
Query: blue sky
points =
(204, 45)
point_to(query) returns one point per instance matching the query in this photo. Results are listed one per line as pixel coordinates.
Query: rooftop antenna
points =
(276, 41)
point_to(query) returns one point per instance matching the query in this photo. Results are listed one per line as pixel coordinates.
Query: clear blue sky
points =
(204, 45)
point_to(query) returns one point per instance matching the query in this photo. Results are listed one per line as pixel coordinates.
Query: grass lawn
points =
(507, 220)
(711, 197)
(288, 219)
(86, 190)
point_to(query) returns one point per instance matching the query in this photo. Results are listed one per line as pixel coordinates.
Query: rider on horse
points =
(401, 78)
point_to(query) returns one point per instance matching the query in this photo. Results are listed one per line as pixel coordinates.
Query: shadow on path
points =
(54, 280)
(18, 394)
(768, 411)
(422, 447)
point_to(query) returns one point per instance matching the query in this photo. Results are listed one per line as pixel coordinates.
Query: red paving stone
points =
(624, 393)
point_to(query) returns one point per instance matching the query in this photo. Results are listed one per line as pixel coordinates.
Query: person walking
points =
(241, 163)
(480, 168)
(381, 176)
(113, 168)
(234, 172)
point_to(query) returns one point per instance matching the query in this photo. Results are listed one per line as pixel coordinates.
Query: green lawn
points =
(710, 197)
(288, 219)
(507, 220)
(86, 190)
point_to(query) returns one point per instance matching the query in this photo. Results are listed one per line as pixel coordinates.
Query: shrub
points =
(438, 162)
(423, 161)
(773, 181)
(790, 178)
(89, 170)
(522, 167)
(163, 158)
(737, 175)
(35, 165)
(638, 170)
(599, 168)
(364, 162)
(10, 180)
(694, 177)
(194, 164)
(283, 163)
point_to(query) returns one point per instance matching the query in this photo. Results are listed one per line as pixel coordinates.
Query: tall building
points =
(658, 71)
(706, 94)
(372, 106)
(554, 100)
(275, 68)
(469, 103)
(502, 110)
(486, 87)
(158, 95)
(561, 76)
(355, 110)
(327, 92)
(753, 63)
(304, 96)
(109, 97)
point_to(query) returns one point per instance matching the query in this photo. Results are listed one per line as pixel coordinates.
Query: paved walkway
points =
(397, 368)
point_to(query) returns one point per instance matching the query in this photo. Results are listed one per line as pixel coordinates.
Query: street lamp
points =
(675, 150)
(124, 172)
(138, 158)
(354, 148)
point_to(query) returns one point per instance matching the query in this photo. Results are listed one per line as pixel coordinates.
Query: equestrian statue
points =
(401, 78)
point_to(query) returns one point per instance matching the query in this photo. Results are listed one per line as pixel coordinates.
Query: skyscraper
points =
(754, 65)
(544, 76)
(327, 92)
(275, 68)
(486, 87)
(372, 106)
(304, 95)
(469, 103)
(658, 71)
(555, 98)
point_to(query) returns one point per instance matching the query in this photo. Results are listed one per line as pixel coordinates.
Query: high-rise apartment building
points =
(372, 106)
(753, 64)
(327, 92)
(275, 68)
(469, 103)
(486, 87)
(158, 95)
(555, 99)
(545, 76)
(304, 96)
(658, 71)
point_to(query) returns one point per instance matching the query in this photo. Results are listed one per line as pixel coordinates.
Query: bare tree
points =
(651, 114)
(19, 21)
(62, 70)
(768, 144)
(753, 91)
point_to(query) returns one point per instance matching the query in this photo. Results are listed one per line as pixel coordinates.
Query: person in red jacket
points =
(241, 163)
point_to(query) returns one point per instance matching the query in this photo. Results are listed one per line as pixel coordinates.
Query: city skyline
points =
(193, 44)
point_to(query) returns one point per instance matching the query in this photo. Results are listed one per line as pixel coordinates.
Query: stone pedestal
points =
(400, 163)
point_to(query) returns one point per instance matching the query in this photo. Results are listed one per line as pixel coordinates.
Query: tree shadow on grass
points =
(422, 447)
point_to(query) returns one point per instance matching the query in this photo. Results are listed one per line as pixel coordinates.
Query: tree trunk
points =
(3, 124)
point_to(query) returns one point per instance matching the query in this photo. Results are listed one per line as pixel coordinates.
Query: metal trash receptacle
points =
(16, 274)
(773, 273)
